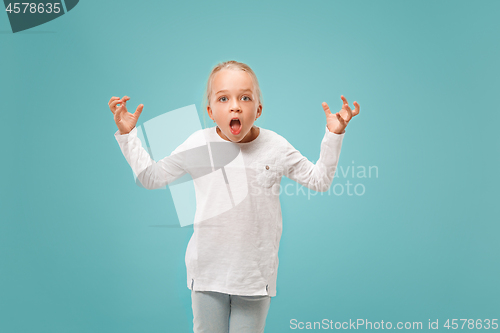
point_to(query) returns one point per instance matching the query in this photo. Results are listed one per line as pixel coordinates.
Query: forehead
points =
(229, 79)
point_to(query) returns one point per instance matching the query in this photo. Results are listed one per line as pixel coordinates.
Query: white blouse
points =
(238, 223)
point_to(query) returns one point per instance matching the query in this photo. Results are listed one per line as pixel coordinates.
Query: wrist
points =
(123, 133)
(336, 132)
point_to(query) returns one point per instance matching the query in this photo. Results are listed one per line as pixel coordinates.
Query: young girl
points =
(232, 256)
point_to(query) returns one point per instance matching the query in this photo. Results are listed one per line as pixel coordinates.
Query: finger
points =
(113, 104)
(344, 99)
(112, 99)
(348, 111)
(125, 99)
(326, 108)
(118, 115)
(138, 112)
(120, 111)
(356, 109)
(123, 105)
(340, 119)
(347, 108)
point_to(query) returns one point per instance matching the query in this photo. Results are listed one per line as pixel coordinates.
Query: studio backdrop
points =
(406, 237)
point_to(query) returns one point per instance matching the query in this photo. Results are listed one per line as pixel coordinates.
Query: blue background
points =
(81, 246)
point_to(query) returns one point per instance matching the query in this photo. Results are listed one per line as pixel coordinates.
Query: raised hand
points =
(337, 122)
(124, 120)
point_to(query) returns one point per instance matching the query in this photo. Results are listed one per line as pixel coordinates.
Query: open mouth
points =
(235, 126)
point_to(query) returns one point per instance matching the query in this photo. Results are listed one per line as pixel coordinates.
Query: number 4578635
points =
(34, 8)
(471, 323)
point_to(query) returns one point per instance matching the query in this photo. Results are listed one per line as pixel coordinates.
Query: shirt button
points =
(267, 167)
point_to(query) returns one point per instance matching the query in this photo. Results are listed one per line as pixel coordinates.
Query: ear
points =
(209, 110)
(259, 111)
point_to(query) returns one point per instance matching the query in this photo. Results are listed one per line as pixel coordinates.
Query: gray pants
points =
(215, 312)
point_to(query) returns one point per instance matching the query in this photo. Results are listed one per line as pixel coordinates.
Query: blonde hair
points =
(233, 65)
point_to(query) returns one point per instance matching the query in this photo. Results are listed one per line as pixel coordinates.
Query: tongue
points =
(235, 125)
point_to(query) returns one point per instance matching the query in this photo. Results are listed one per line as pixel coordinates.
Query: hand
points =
(337, 122)
(123, 119)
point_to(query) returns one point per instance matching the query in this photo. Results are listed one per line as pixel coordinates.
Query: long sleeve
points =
(319, 176)
(151, 174)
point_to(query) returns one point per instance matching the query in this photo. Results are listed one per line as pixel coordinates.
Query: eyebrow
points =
(240, 90)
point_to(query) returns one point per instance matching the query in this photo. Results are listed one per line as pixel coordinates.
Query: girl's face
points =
(234, 97)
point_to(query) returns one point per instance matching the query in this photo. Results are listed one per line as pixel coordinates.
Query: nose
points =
(235, 106)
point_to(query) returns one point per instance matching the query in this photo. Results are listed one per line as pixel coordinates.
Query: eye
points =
(248, 98)
(221, 98)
